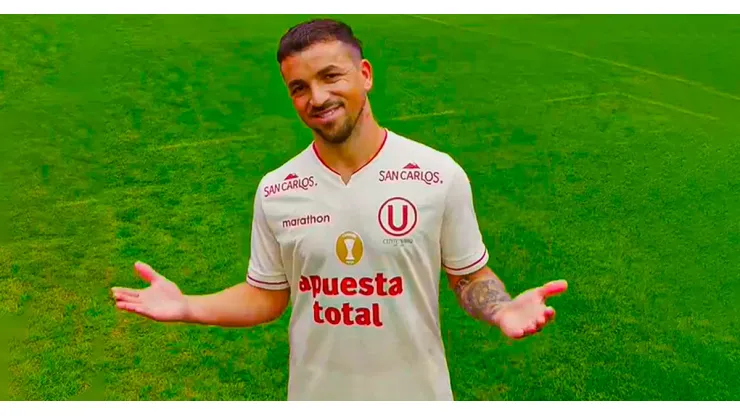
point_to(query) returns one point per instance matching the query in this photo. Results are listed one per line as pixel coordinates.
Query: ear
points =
(367, 74)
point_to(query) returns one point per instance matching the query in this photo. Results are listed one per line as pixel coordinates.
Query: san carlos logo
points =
(411, 172)
(291, 182)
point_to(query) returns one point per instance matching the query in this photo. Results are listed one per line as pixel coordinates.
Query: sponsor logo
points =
(306, 220)
(411, 172)
(349, 248)
(350, 313)
(291, 182)
(398, 217)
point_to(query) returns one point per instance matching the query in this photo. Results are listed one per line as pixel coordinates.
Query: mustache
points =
(317, 110)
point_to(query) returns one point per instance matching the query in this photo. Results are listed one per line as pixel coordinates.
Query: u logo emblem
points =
(397, 217)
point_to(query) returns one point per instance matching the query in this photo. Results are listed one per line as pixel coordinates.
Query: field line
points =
(635, 98)
(669, 106)
(577, 97)
(201, 143)
(112, 195)
(646, 71)
(426, 115)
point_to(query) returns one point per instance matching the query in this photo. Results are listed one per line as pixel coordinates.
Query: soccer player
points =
(354, 232)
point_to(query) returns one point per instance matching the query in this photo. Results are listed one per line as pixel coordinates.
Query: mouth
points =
(328, 114)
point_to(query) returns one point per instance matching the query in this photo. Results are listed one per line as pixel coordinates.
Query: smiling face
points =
(328, 83)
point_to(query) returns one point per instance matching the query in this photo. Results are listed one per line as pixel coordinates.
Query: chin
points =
(335, 139)
(335, 135)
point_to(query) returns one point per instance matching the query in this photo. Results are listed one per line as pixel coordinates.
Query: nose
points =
(319, 96)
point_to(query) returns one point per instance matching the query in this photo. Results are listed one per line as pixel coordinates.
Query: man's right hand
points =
(161, 301)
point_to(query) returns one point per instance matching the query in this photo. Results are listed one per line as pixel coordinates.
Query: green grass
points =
(631, 192)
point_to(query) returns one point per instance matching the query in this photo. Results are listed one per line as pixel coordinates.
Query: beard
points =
(340, 133)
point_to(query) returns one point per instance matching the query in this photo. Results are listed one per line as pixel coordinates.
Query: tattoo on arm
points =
(481, 297)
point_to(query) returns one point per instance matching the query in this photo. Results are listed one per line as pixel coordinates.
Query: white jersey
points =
(363, 263)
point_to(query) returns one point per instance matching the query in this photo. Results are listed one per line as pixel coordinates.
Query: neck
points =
(347, 157)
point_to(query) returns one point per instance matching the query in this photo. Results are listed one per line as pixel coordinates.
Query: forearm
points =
(481, 294)
(241, 305)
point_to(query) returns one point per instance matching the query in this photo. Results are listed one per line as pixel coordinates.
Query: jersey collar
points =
(334, 172)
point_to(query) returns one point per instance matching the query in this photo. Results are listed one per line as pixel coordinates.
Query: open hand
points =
(161, 301)
(527, 314)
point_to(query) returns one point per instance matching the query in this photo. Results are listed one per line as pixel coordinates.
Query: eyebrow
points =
(323, 71)
(329, 68)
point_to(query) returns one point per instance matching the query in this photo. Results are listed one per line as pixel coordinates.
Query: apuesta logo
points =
(361, 306)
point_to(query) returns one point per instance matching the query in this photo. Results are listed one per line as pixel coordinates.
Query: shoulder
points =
(293, 171)
(426, 157)
(434, 167)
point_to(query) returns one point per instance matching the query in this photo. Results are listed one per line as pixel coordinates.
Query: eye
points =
(296, 90)
(332, 76)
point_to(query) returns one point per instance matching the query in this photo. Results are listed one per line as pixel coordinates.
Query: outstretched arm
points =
(241, 305)
(481, 294)
(262, 298)
(484, 297)
(479, 291)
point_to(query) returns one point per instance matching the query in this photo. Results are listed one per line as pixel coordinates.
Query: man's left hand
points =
(527, 314)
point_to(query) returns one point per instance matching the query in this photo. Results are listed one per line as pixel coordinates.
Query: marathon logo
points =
(290, 182)
(411, 172)
(306, 220)
(350, 314)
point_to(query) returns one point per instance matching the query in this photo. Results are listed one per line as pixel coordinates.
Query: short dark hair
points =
(316, 31)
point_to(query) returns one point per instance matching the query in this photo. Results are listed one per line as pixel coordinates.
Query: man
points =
(353, 232)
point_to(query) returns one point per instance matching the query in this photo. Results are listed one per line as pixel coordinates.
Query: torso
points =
(363, 261)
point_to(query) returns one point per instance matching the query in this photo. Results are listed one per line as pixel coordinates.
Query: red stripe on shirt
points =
(266, 283)
(471, 265)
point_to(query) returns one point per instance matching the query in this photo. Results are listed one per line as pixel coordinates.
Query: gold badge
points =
(349, 248)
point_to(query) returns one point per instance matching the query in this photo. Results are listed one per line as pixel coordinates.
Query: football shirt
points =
(363, 261)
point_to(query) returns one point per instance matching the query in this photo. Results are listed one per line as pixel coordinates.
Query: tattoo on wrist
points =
(481, 298)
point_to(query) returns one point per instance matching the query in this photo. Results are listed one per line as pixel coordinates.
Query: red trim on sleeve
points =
(266, 283)
(471, 265)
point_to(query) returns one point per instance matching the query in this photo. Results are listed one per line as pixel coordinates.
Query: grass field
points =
(602, 150)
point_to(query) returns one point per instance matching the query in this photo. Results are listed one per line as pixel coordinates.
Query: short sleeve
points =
(463, 249)
(266, 269)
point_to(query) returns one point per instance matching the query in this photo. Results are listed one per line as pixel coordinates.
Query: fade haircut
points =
(309, 33)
